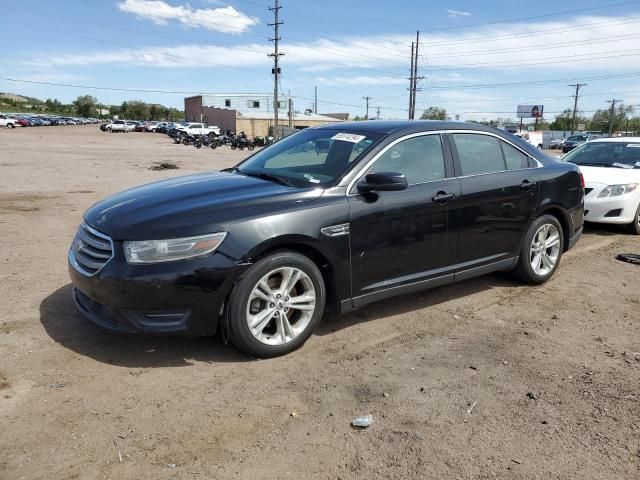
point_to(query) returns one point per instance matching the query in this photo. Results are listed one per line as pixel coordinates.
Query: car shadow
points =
(65, 325)
(415, 301)
(605, 229)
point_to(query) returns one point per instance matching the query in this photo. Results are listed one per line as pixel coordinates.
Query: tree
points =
(600, 119)
(85, 105)
(434, 113)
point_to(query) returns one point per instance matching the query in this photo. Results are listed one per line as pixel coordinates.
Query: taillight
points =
(582, 180)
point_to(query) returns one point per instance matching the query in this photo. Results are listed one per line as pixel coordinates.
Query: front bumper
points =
(619, 210)
(178, 298)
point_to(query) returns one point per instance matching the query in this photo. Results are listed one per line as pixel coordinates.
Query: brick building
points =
(249, 113)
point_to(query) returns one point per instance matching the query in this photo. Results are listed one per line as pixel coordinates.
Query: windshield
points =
(310, 157)
(606, 154)
(577, 138)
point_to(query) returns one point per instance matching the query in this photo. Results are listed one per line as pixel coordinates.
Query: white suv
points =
(8, 121)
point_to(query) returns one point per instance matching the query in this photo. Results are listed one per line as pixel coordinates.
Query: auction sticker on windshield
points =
(349, 137)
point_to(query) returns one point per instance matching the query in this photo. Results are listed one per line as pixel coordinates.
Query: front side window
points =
(311, 157)
(478, 154)
(420, 159)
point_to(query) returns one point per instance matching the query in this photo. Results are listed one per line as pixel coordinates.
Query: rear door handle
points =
(443, 197)
(527, 185)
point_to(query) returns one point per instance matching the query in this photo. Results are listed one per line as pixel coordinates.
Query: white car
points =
(151, 126)
(8, 122)
(611, 170)
(198, 129)
(120, 126)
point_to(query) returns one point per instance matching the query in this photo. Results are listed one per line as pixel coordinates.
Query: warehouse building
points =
(249, 113)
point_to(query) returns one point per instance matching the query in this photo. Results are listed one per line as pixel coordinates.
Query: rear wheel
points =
(276, 305)
(635, 226)
(541, 250)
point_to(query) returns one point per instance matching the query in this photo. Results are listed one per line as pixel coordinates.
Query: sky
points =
(479, 60)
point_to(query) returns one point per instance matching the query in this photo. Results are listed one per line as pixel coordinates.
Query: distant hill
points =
(19, 98)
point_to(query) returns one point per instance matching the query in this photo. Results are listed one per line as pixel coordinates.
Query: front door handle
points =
(527, 185)
(443, 197)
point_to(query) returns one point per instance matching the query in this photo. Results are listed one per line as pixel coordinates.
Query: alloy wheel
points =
(280, 306)
(545, 249)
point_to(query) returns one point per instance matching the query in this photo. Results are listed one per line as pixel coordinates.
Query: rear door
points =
(407, 237)
(499, 195)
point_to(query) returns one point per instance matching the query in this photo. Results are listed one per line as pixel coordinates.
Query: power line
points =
(535, 17)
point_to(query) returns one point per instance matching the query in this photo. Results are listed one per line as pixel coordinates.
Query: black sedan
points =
(330, 218)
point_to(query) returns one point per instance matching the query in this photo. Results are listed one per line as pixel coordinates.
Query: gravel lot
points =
(483, 379)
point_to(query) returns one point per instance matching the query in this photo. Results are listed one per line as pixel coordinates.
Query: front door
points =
(407, 237)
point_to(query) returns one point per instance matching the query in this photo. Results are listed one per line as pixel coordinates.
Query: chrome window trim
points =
(440, 132)
(72, 257)
(384, 150)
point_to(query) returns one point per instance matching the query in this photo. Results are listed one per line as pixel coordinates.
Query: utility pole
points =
(366, 117)
(411, 81)
(415, 77)
(315, 100)
(575, 104)
(612, 113)
(290, 112)
(276, 57)
(377, 113)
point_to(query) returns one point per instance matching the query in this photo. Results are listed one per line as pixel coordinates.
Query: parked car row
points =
(13, 120)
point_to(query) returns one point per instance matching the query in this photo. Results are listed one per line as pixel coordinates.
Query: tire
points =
(635, 226)
(270, 337)
(547, 259)
(10, 125)
(250, 147)
(233, 146)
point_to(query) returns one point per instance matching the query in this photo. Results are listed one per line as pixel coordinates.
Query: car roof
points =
(392, 126)
(617, 139)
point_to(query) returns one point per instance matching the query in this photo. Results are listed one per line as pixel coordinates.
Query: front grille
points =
(587, 191)
(90, 250)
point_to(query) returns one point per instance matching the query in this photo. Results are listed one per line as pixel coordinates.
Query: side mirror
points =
(383, 182)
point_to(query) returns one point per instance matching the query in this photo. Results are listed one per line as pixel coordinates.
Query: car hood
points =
(191, 205)
(610, 176)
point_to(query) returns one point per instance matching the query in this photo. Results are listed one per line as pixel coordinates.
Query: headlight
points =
(154, 251)
(617, 190)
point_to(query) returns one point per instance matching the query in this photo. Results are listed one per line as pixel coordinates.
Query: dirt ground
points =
(484, 379)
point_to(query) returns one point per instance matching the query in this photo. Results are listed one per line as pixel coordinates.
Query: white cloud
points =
(569, 48)
(222, 19)
(457, 13)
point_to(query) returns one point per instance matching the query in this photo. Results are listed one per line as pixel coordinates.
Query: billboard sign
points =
(530, 111)
(581, 127)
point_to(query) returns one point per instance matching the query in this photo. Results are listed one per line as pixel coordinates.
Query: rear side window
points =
(514, 158)
(420, 159)
(478, 153)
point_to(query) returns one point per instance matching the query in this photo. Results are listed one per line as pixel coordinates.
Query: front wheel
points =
(276, 305)
(541, 250)
(10, 125)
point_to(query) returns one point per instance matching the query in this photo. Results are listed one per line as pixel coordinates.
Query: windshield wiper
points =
(267, 176)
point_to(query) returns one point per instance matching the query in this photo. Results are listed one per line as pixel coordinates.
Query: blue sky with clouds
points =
(473, 65)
